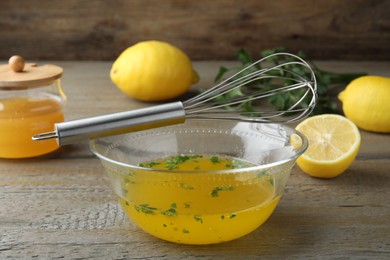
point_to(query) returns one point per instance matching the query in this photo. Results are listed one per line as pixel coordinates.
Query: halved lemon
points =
(334, 142)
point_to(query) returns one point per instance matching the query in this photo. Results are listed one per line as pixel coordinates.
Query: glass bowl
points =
(201, 205)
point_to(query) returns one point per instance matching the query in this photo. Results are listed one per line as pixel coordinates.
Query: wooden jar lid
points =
(18, 75)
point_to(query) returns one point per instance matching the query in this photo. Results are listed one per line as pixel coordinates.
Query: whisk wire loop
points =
(264, 81)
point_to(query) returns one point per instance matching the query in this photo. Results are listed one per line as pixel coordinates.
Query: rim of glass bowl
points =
(298, 152)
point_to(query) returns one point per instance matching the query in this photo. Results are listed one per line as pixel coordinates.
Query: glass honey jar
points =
(31, 101)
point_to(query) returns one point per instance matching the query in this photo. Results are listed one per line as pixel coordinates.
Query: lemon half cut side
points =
(334, 142)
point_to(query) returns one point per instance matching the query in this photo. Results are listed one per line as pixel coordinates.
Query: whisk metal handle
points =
(116, 123)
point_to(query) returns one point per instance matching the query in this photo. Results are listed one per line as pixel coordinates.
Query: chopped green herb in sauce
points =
(174, 162)
(216, 190)
(198, 218)
(171, 211)
(145, 208)
(148, 164)
(215, 159)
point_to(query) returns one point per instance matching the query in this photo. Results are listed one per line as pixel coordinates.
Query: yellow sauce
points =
(20, 119)
(196, 207)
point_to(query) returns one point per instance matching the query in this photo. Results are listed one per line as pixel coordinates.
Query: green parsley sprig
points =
(282, 101)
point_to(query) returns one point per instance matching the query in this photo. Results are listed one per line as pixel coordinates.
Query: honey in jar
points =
(31, 101)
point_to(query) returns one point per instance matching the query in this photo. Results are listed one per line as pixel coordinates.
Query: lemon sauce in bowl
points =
(200, 182)
(185, 210)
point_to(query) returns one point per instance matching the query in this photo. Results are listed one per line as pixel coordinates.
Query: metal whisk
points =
(263, 79)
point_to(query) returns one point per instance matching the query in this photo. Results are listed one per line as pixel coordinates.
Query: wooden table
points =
(61, 205)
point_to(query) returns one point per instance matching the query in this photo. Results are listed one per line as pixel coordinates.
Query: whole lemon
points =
(366, 101)
(153, 71)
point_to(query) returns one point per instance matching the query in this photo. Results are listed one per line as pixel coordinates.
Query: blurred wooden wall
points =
(205, 29)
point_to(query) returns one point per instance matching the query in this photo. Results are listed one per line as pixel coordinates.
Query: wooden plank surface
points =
(61, 205)
(206, 30)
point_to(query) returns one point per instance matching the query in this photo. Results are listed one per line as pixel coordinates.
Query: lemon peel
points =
(153, 71)
(365, 101)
